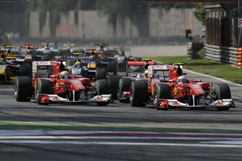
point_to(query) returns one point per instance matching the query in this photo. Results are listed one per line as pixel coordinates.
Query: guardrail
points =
(228, 55)
(192, 48)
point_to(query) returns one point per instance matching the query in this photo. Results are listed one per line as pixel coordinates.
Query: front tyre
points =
(44, 87)
(162, 91)
(138, 93)
(222, 91)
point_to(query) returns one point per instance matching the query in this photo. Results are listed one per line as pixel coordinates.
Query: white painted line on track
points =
(114, 138)
(234, 142)
(118, 143)
(75, 133)
(213, 77)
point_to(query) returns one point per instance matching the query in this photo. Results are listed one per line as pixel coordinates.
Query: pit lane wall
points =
(227, 55)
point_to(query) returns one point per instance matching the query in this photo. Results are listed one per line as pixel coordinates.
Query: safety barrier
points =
(227, 55)
(192, 48)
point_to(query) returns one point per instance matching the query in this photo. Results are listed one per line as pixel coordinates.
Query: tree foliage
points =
(115, 10)
(55, 7)
(200, 12)
(133, 10)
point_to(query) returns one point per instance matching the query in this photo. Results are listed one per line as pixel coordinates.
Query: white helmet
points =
(182, 79)
(64, 75)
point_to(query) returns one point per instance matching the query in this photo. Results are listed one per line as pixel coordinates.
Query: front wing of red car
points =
(47, 98)
(174, 103)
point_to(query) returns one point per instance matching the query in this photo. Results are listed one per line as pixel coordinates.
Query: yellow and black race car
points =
(7, 68)
(11, 65)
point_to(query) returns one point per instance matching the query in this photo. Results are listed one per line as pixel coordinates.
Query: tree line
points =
(133, 10)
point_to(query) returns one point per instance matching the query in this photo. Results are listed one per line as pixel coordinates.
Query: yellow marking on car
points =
(91, 65)
(57, 86)
(175, 90)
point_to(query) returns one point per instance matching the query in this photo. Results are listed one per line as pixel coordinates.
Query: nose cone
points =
(77, 85)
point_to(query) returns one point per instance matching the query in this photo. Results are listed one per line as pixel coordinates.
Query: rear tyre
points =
(101, 74)
(124, 85)
(44, 87)
(112, 67)
(138, 93)
(222, 91)
(25, 69)
(113, 82)
(23, 89)
(162, 91)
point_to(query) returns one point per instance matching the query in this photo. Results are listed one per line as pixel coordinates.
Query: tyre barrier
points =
(225, 55)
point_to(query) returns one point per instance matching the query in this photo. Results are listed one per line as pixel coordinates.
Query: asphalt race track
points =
(121, 115)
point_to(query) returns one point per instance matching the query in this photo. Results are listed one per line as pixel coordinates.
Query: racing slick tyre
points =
(113, 82)
(43, 87)
(162, 91)
(102, 88)
(101, 74)
(112, 67)
(222, 91)
(124, 85)
(138, 93)
(25, 69)
(23, 89)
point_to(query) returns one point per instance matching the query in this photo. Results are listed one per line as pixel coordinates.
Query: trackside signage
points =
(240, 22)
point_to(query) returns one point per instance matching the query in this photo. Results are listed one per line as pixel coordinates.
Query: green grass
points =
(12, 125)
(205, 66)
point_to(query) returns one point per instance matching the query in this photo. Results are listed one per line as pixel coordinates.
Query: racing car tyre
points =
(102, 86)
(23, 89)
(113, 82)
(162, 91)
(25, 69)
(222, 91)
(124, 85)
(102, 103)
(101, 74)
(112, 67)
(44, 87)
(138, 93)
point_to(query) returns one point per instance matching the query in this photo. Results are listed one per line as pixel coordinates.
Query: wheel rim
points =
(155, 98)
(131, 94)
(16, 89)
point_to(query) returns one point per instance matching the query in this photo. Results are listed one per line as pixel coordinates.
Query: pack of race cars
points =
(93, 76)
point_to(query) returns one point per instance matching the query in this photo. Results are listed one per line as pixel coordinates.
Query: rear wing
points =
(140, 63)
(137, 63)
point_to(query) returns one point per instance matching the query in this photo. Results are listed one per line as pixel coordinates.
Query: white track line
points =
(220, 79)
(118, 143)
(115, 138)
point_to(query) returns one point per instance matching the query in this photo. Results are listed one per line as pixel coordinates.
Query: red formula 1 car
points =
(46, 86)
(166, 87)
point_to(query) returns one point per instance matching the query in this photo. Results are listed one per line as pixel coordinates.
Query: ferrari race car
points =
(46, 86)
(165, 86)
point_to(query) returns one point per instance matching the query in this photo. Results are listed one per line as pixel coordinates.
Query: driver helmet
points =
(77, 64)
(121, 53)
(64, 75)
(156, 76)
(182, 79)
